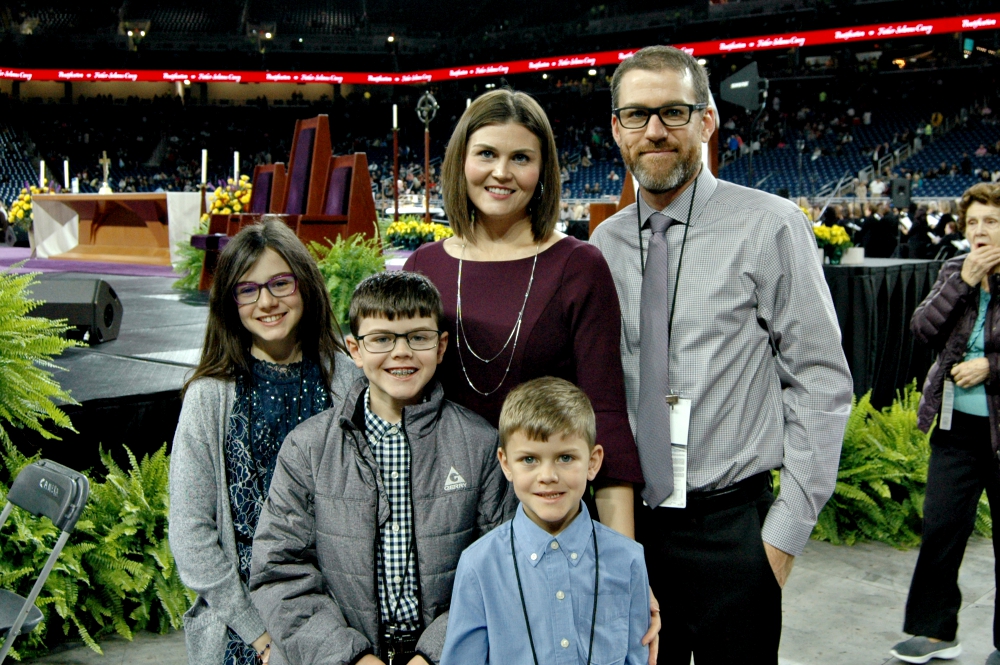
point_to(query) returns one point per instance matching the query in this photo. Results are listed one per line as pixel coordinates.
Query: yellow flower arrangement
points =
(833, 240)
(20, 212)
(231, 198)
(412, 232)
(832, 236)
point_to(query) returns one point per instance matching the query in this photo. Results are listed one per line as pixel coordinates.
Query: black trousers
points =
(962, 465)
(718, 596)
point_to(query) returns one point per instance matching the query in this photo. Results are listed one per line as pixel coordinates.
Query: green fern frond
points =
(344, 263)
(881, 482)
(28, 393)
(191, 261)
(116, 574)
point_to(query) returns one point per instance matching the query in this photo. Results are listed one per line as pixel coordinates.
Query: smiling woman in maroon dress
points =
(521, 299)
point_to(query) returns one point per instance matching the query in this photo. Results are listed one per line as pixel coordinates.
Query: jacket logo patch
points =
(455, 481)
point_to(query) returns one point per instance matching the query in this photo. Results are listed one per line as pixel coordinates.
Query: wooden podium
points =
(118, 228)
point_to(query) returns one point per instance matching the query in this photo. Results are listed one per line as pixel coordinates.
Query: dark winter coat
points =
(314, 572)
(944, 320)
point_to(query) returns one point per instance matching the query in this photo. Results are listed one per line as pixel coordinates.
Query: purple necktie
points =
(653, 426)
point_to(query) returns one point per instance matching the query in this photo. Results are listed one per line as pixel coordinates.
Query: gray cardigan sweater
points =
(201, 522)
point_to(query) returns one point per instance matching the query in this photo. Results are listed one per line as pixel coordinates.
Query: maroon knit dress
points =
(571, 329)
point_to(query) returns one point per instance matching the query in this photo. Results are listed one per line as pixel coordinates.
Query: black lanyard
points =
(524, 607)
(680, 258)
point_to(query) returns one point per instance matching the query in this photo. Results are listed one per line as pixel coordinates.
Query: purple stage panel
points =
(11, 255)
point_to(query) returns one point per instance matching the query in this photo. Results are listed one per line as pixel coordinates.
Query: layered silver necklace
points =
(515, 332)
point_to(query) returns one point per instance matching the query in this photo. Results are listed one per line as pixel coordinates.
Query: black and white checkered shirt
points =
(397, 583)
(755, 344)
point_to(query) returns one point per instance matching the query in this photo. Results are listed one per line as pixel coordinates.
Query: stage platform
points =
(128, 388)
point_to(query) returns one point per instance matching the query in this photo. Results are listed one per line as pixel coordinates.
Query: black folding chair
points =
(59, 493)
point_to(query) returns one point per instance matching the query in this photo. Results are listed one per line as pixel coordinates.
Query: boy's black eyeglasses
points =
(672, 115)
(279, 286)
(384, 342)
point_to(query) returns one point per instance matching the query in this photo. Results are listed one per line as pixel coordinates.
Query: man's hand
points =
(971, 373)
(652, 636)
(781, 563)
(979, 263)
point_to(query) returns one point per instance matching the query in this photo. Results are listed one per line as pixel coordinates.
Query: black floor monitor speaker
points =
(90, 306)
(900, 193)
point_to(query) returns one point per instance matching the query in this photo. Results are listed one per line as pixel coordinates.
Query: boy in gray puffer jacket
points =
(371, 506)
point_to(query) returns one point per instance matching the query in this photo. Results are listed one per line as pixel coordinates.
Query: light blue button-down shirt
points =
(486, 623)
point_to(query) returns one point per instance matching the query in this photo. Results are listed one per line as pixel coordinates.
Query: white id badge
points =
(680, 420)
(947, 405)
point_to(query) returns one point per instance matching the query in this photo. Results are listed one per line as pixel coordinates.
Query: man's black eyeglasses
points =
(672, 115)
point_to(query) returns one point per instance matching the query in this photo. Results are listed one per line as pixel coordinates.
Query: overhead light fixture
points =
(130, 33)
(142, 33)
(391, 38)
(267, 35)
(592, 72)
(702, 62)
(545, 76)
(300, 40)
(187, 82)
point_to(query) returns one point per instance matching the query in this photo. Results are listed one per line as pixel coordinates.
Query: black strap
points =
(524, 606)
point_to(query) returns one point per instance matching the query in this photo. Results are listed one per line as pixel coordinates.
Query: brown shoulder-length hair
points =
(500, 107)
(987, 193)
(226, 352)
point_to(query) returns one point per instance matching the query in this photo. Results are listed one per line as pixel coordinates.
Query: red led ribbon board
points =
(862, 33)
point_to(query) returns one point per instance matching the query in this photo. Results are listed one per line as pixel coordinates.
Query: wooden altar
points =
(118, 228)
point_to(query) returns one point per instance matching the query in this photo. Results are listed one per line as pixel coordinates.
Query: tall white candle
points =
(236, 165)
(66, 173)
(204, 166)
(395, 117)
(41, 173)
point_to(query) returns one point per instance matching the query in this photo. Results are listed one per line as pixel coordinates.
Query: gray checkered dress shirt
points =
(755, 345)
(392, 453)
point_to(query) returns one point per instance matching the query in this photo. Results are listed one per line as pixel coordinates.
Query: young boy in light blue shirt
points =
(550, 586)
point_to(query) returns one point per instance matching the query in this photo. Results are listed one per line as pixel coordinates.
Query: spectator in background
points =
(804, 206)
(879, 233)
(877, 187)
(733, 144)
(959, 321)
(860, 191)
(919, 242)
(981, 150)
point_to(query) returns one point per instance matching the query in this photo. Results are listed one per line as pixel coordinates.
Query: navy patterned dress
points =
(273, 401)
